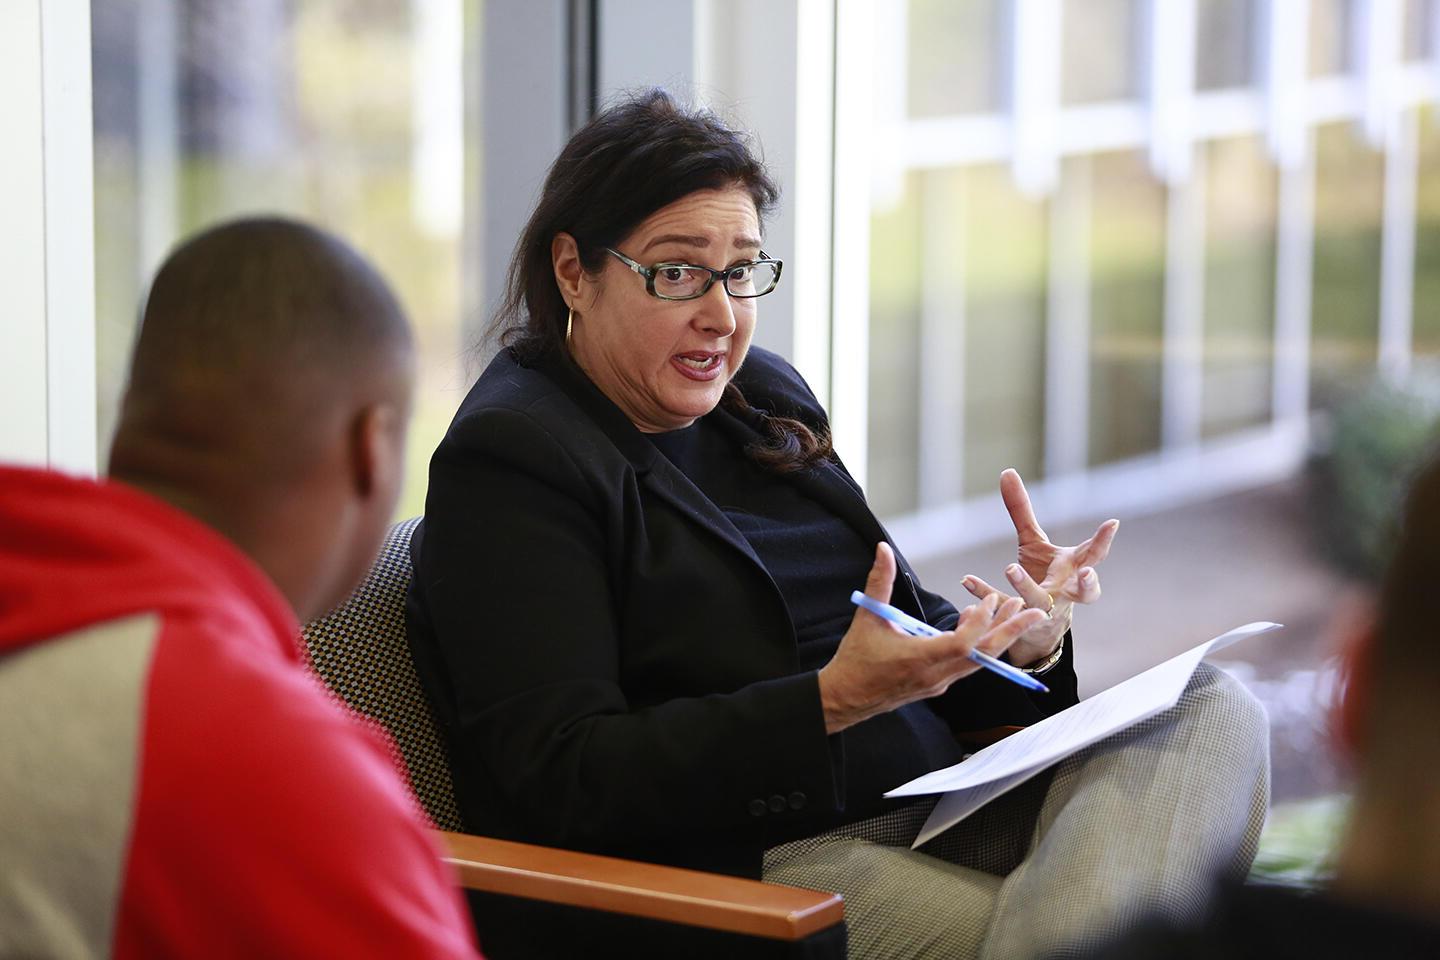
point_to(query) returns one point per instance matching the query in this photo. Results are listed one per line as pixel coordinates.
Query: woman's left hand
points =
(1047, 577)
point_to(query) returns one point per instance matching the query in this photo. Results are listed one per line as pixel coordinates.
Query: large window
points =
(347, 113)
(1135, 235)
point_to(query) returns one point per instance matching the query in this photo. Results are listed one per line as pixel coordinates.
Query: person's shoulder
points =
(247, 691)
(248, 758)
(507, 383)
(512, 396)
(771, 383)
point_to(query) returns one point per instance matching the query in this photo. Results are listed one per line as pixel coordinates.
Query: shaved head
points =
(269, 392)
(251, 331)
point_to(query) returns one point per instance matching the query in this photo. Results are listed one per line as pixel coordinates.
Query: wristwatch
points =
(1046, 665)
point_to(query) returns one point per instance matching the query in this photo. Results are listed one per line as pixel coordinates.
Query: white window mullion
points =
(1376, 41)
(1171, 36)
(1035, 93)
(47, 244)
(1285, 51)
(23, 427)
(69, 236)
(1067, 326)
(1182, 374)
(1397, 250)
(1294, 259)
(850, 296)
(942, 340)
(812, 192)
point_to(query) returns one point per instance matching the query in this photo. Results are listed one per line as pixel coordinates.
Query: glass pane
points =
(954, 64)
(1427, 238)
(1005, 240)
(1100, 51)
(1330, 32)
(1224, 43)
(1240, 195)
(345, 113)
(992, 262)
(894, 413)
(1349, 180)
(1127, 307)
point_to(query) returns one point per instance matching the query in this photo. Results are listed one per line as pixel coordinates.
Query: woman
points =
(630, 605)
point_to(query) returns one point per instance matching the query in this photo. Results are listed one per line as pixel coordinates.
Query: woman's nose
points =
(715, 311)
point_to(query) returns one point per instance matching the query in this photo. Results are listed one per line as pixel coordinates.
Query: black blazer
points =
(612, 667)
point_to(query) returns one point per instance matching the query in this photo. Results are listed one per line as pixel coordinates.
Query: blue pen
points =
(919, 628)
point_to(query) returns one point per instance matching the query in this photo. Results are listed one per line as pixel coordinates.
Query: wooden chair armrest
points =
(979, 739)
(671, 894)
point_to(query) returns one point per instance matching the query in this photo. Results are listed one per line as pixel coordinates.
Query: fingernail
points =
(1085, 575)
(1013, 571)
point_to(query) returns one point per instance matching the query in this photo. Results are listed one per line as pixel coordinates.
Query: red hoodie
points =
(173, 781)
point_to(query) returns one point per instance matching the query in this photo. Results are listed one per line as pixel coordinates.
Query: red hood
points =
(75, 552)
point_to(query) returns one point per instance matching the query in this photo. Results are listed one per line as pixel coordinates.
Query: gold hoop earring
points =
(569, 324)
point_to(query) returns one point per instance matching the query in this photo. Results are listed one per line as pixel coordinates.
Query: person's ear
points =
(569, 271)
(377, 454)
(1351, 716)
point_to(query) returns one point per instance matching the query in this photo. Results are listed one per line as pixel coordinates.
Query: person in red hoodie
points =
(173, 779)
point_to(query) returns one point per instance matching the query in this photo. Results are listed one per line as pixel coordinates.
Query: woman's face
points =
(666, 362)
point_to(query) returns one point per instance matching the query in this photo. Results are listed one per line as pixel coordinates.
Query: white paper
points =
(1004, 765)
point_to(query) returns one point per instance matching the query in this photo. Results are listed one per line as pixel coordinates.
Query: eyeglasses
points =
(688, 281)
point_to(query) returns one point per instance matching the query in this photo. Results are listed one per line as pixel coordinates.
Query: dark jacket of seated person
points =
(614, 667)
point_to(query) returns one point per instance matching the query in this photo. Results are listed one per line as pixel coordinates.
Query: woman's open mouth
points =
(699, 366)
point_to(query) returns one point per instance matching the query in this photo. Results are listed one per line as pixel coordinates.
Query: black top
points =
(1258, 922)
(610, 660)
(814, 557)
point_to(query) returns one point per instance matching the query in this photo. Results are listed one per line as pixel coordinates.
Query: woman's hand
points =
(878, 668)
(1048, 578)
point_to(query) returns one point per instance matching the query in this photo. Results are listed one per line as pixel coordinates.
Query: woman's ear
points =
(569, 271)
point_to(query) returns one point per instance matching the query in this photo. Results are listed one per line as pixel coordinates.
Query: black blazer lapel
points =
(652, 469)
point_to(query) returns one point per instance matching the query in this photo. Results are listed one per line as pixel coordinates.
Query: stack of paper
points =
(1002, 766)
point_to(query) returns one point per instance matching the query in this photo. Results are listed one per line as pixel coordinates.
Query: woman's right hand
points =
(878, 668)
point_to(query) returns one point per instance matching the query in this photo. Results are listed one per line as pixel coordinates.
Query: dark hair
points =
(630, 160)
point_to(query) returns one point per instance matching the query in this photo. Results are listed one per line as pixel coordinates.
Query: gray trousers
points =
(1143, 822)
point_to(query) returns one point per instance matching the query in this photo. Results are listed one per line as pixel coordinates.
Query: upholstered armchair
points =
(361, 652)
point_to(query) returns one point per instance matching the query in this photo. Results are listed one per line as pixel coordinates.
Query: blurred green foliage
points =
(1376, 441)
(1299, 843)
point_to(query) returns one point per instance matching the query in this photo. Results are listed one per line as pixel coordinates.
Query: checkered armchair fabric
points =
(359, 649)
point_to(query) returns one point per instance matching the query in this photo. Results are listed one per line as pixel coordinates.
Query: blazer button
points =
(798, 800)
(757, 808)
(777, 804)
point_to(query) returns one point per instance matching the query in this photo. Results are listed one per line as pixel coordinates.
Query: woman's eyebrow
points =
(699, 242)
(688, 240)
